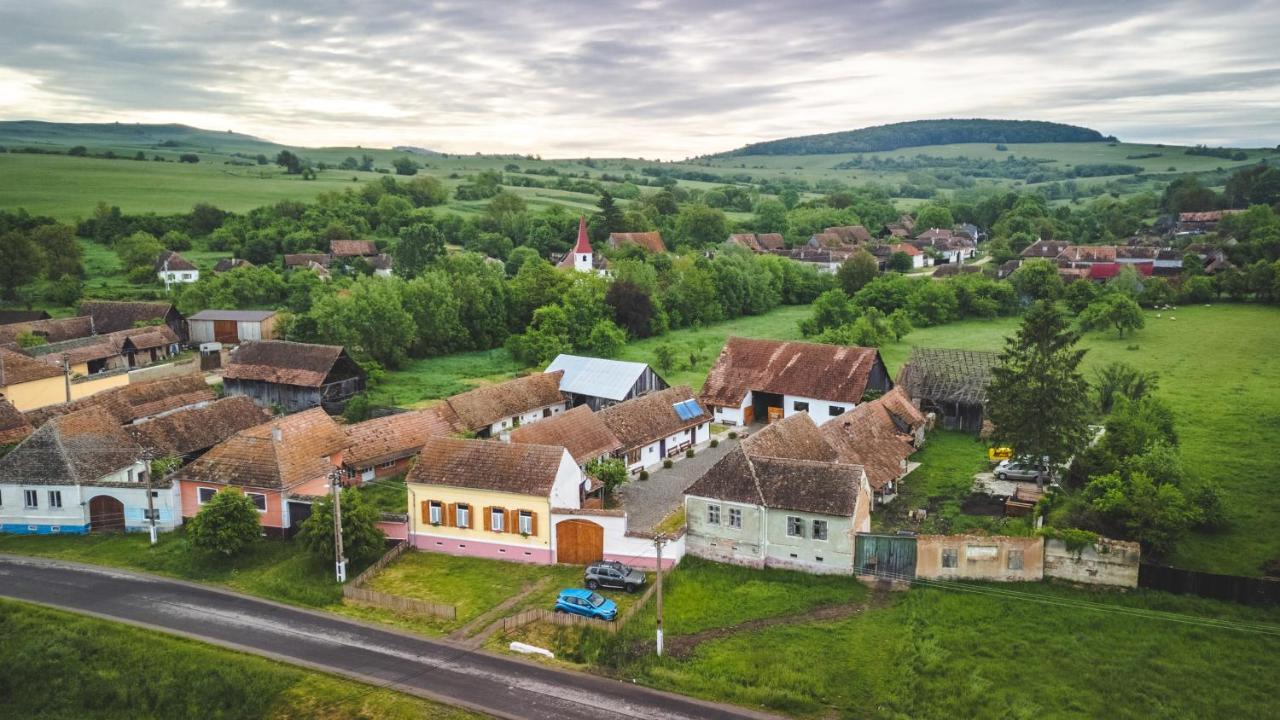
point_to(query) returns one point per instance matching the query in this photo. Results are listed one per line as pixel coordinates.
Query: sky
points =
(648, 78)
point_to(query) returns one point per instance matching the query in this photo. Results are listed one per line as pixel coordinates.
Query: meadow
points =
(56, 664)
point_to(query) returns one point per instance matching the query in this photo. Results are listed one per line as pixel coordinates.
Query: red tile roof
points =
(478, 409)
(13, 424)
(877, 435)
(584, 244)
(199, 428)
(651, 241)
(255, 458)
(828, 372)
(278, 361)
(488, 465)
(16, 368)
(580, 431)
(649, 418)
(352, 248)
(394, 437)
(170, 261)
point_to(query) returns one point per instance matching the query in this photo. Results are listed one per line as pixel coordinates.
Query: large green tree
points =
(420, 244)
(226, 524)
(1038, 401)
(20, 263)
(700, 226)
(369, 319)
(1114, 309)
(860, 269)
(362, 541)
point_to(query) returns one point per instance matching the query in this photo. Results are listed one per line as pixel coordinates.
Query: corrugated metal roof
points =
(597, 377)
(236, 315)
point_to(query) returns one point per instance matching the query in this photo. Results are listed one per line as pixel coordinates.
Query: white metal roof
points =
(237, 315)
(597, 377)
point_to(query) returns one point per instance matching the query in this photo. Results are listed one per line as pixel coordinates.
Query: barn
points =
(294, 376)
(231, 327)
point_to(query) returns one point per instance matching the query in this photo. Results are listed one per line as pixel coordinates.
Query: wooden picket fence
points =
(524, 617)
(355, 592)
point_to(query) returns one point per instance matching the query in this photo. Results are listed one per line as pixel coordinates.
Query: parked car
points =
(1015, 469)
(586, 604)
(612, 574)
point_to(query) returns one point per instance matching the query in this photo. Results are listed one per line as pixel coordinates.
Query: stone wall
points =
(1106, 562)
(978, 557)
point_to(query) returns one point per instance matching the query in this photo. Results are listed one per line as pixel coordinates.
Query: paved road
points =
(493, 684)
(649, 502)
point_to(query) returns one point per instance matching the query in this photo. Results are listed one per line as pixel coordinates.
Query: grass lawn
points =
(56, 664)
(936, 653)
(389, 495)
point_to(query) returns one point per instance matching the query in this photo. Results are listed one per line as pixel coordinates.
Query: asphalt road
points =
(498, 685)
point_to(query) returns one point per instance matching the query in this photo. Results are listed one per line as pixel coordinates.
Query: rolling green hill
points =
(138, 136)
(919, 133)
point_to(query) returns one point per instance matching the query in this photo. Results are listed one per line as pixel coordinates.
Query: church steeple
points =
(582, 252)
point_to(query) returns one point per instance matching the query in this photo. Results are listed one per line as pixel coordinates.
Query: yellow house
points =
(490, 499)
(28, 383)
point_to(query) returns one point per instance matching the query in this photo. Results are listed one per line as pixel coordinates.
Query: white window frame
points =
(462, 516)
(497, 520)
(795, 526)
(713, 514)
(820, 530)
(735, 518)
(435, 512)
(55, 499)
(200, 498)
(252, 495)
(31, 499)
(526, 522)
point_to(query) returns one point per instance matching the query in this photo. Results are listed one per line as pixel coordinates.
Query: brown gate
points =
(225, 331)
(105, 514)
(579, 542)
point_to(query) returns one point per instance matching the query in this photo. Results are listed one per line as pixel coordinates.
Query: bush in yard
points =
(733, 435)
(715, 443)
(644, 474)
(667, 463)
(611, 472)
(226, 524)
(362, 541)
(688, 453)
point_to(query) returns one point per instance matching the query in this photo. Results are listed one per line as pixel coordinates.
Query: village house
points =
(14, 426)
(880, 436)
(386, 446)
(599, 383)
(764, 380)
(120, 350)
(346, 251)
(50, 331)
(282, 465)
(949, 383)
(649, 241)
(294, 376)
(110, 316)
(782, 498)
(313, 261)
(172, 269)
(758, 242)
(518, 502)
(1045, 249)
(657, 426)
(187, 433)
(580, 430)
(231, 327)
(824, 260)
(9, 317)
(136, 401)
(28, 383)
(918, 258)
(582, 258)
(79, 473)
(845, 237)
(496, 410)
(229, 264)
(1193, 223)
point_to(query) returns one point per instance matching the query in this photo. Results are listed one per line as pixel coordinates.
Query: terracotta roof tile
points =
(482, 407)
(796, 436)
(305, 259)
(309, 442)
(16, 368)
(78, 448)
(352, 248)
(110, 316)
(829, 372)
(580, 431)
(394, 437)
(51, 330)
(488, 465)
(226, 264)
(136, 400)
(199, 428)
(651, 241)
(280, 361)
(649, 418)
(170, 261)
(13, 424)
(876, 435)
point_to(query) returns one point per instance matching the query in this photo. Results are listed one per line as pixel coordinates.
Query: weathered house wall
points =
(1106, 562)
(980, 558)
(721, 541)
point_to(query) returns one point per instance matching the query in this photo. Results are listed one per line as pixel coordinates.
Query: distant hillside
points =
(925, 132)
(416, 150)
(133, 135)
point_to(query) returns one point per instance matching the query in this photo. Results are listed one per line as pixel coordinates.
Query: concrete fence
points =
(353, 591)
(1105, 562)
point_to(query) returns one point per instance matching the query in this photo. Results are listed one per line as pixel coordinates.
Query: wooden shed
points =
(294, 376)
(231, 327)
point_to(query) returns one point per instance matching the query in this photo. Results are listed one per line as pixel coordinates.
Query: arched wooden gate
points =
(579, 542)
(105, 514)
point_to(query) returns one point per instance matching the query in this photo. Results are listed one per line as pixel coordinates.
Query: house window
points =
(204, 495)
(713, 514)
(526, 523)
(835, 410)
(259, 501)
(387, 464)
(950, 556)
(30, 499)
(55, 499)
(795, 526)
(799, 406)
(633, 456)
(435, 512)
(819, 529)
(464, 516)
(497, 519)
(735, 518)
(1015, 559)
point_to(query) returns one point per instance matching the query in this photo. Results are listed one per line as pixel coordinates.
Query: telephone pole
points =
(340, 562)
(658, 542)
(66, 374)
(151, 504)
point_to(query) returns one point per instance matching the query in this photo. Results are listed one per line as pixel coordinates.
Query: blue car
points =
(586, 604)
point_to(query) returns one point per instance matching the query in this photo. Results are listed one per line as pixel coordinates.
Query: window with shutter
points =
(533, 523)
(487, 521)
(453, 515)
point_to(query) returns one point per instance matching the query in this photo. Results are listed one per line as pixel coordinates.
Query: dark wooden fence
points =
(1251, 590)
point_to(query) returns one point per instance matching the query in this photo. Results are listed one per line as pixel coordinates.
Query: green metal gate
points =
(887, 556)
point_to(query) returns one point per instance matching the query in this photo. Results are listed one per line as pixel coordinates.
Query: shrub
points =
(688, 453)
(667, 463)
(226, 524)
(715, 443)
(644, 474)
(733, 435)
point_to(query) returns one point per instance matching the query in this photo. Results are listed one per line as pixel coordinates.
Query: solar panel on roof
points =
(694, 408)
(681, 411)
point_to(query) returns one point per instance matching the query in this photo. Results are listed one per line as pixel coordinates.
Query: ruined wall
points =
(998, 558)
(1106, 562)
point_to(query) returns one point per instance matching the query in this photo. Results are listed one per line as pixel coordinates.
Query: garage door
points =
(579, 542)
(105, 514)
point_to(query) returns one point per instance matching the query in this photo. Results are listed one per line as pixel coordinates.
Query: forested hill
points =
(925, 132)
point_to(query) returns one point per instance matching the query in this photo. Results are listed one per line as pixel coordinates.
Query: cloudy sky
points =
(649, 78)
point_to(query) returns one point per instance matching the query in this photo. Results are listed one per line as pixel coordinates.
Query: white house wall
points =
(506, 425)
(632, 550)
(732, 415)
(565, 490)
(820, 411)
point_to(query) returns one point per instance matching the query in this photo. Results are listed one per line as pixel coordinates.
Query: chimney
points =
(276, 434)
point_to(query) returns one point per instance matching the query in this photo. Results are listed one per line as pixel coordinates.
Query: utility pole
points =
(658, 542)
(151, 504)
(66, 374)
(340, 562)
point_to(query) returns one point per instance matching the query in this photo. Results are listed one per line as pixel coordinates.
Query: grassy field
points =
(55, 664)
(1025, 651)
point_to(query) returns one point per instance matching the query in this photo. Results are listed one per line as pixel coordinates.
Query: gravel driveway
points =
(649, 502)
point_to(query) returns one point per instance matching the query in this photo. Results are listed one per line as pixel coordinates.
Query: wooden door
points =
(106, 514)
(579, 542)
(225, 331)
(748, 414)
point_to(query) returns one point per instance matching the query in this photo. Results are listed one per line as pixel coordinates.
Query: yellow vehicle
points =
(996, 454)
